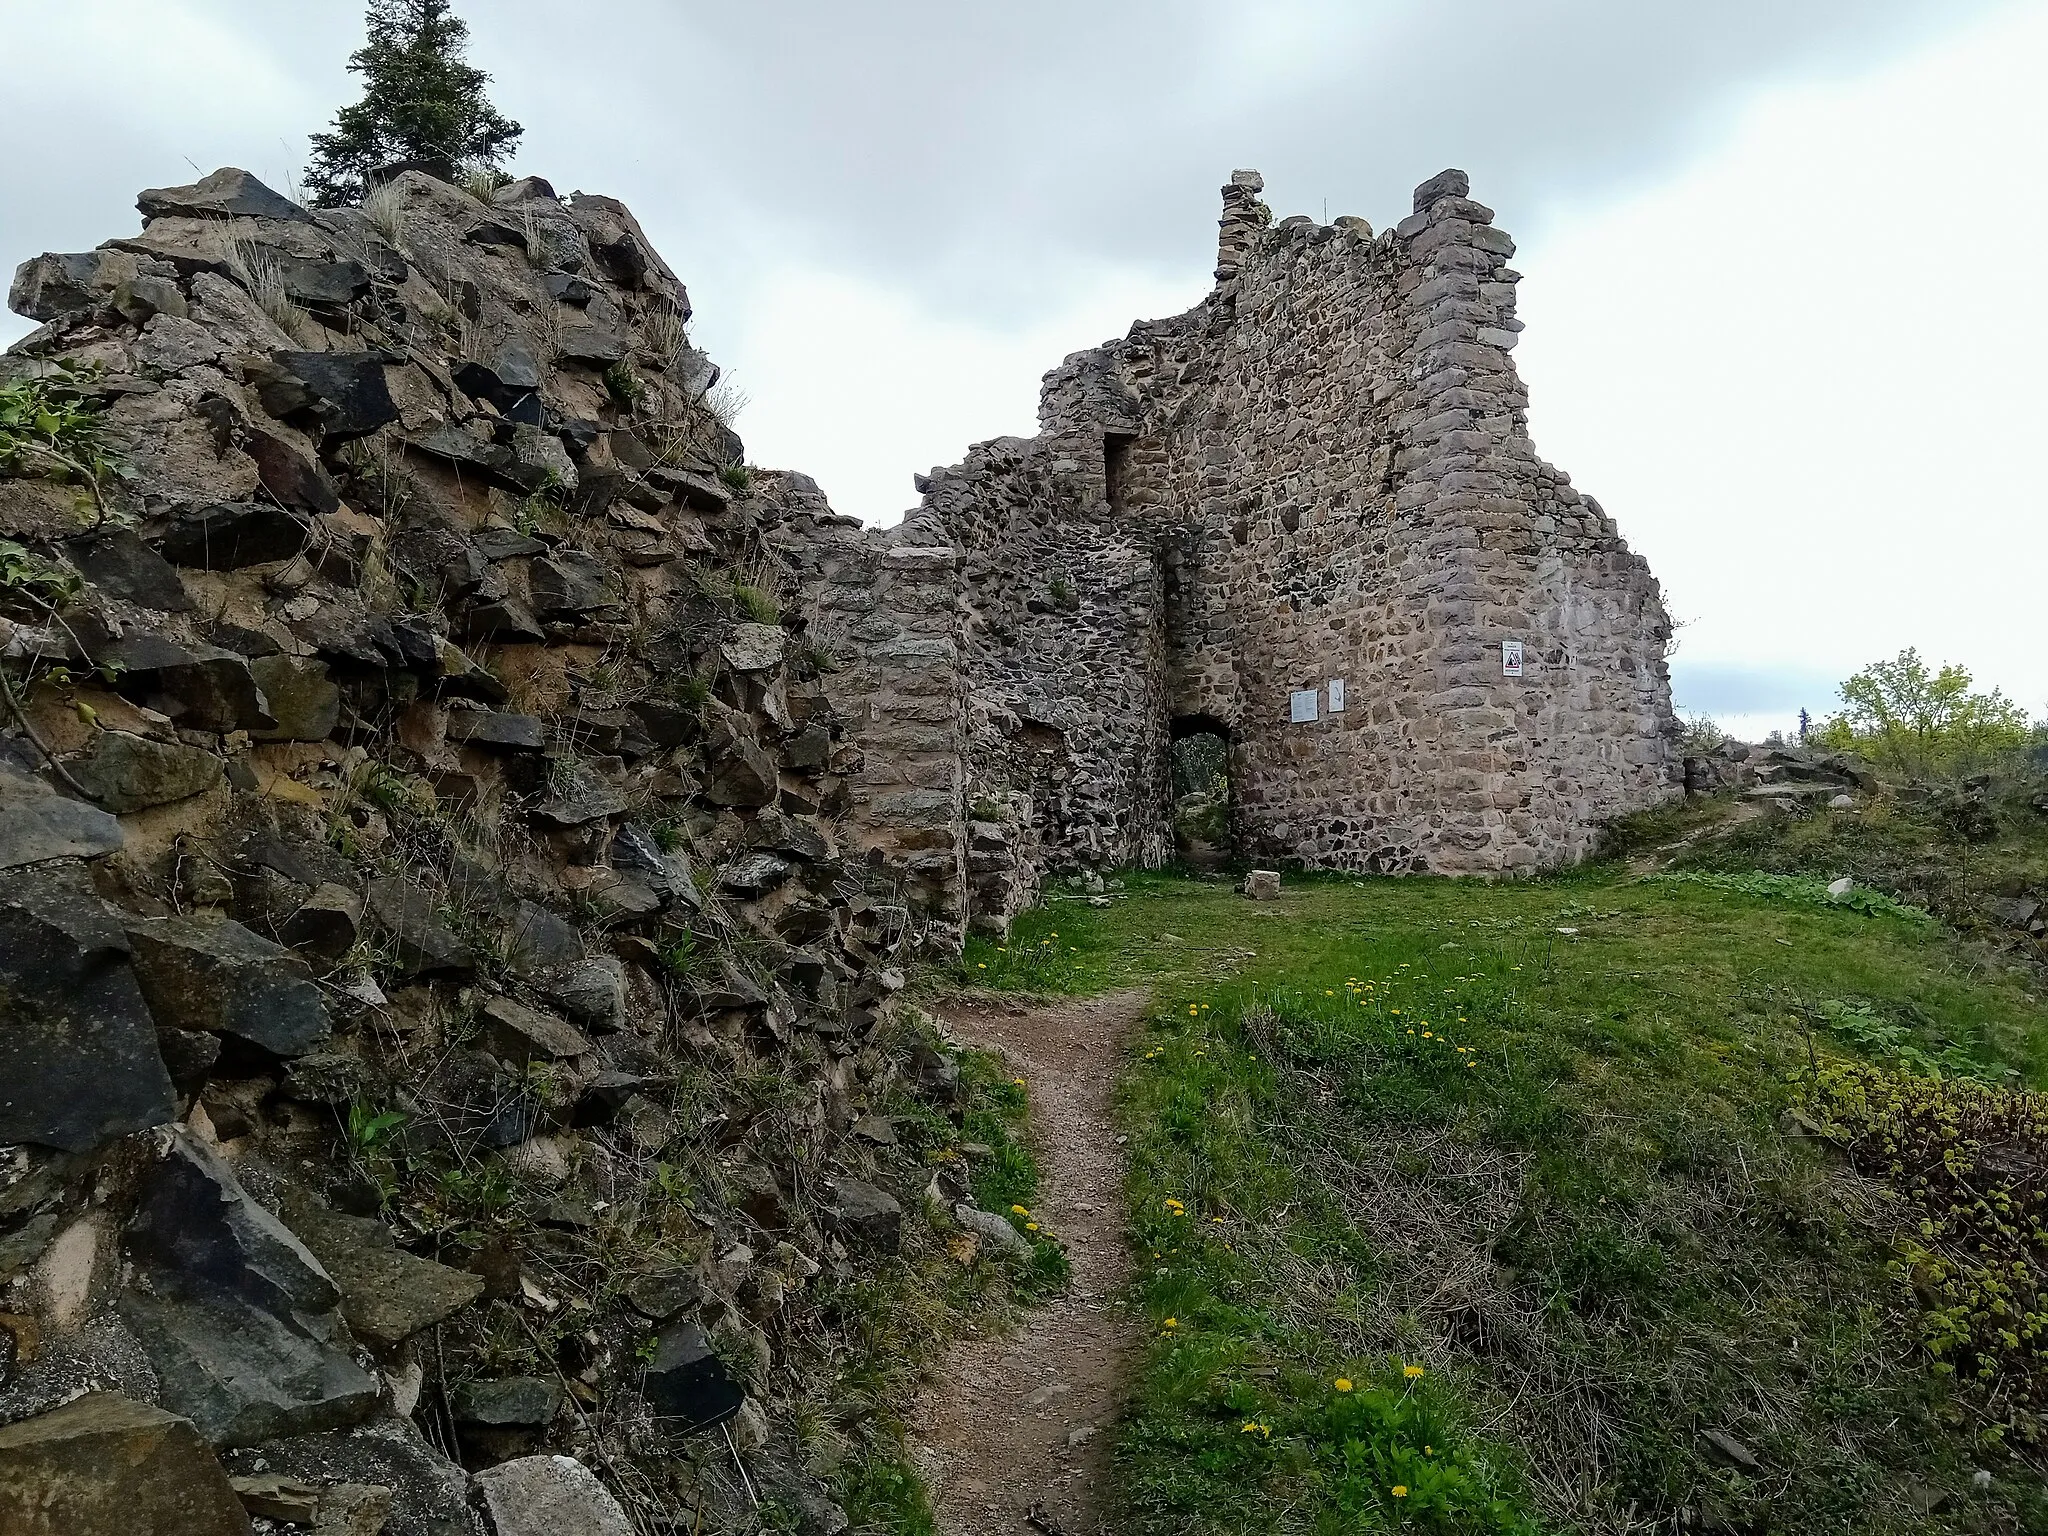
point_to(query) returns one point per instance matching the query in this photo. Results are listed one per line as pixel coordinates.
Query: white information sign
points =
(1301, 705)
(1511, 658)
(1336, 695)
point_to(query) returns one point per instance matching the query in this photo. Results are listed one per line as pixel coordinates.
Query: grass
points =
(1533, 1139)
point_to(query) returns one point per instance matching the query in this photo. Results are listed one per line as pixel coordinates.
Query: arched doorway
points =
(1199, 758)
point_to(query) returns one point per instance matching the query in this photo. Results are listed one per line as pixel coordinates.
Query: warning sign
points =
(1511, 658)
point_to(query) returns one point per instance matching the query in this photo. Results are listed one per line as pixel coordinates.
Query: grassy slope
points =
(1593, 1239)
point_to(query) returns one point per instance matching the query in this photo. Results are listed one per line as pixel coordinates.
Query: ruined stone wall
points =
(459, 830)
(1319, 478)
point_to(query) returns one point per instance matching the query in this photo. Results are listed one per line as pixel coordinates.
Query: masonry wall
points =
(1320, 474)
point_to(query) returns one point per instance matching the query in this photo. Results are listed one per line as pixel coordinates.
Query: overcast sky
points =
(1783, 317)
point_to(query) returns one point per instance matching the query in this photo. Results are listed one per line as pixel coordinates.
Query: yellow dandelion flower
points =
(1030, 1226)
(1171, 1323)
(1400, 1490)
(1249, 1429)
(1343, 1383)
(1018, 1210)
(1412, 1372)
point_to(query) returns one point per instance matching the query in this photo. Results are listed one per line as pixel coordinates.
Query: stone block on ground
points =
(213, 975)
(1262, 884)
(37, 824)
(125, 773)
(866, 1216)
(549, 1496)
(79, 1062)
(688, 1383)
(106, 1465)
(239, 1321)
(387, 1294)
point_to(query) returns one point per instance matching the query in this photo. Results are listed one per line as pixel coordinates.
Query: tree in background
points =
(1918, 722)
(421, 101)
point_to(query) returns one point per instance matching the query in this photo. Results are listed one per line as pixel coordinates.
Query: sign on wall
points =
(1336, 695)
(1301, 705)
(1511, 658)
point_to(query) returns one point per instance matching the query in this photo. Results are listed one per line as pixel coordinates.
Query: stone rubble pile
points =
(438, 986)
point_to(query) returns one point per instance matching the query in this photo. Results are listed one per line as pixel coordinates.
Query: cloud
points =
(1776, 254)
(1803, 375)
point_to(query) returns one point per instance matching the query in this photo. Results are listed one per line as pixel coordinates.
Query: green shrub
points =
(1970, 1163)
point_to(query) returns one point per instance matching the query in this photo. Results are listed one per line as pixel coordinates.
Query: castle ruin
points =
(1306, 515)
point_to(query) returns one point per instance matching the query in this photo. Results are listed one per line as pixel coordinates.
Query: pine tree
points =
(421, 101)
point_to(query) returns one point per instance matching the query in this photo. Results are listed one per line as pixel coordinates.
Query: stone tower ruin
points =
(1305, 514)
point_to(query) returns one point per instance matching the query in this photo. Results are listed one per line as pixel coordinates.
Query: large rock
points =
(201, 686)
(505, 733)
(510, 1402)
(128, 773)
(745, 777)
(689, 1383)
(240, 1322)
(519, 1034)
(387, 1294)
(211, 974)
(106, 1465)
(326, 924)
(227, 193)
(116, 561)
(344, 394)
(430, 1494)
(549, 1496)
(409, 921)
(38, 824)
(79, 1063)
(753, 647)
(227, 535)
(866, 1216)
(592, 992)
(569, 583)
(303, 701)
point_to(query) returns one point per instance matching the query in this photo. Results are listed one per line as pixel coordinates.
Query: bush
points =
(1920, 723)
(1970, 1163)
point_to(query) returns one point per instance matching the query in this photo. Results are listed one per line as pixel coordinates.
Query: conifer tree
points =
(421, 101)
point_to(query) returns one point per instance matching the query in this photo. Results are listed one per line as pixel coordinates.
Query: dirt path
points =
(1014, 1434)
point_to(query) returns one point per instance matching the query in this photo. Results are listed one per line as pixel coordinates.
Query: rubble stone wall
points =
(1317, 482)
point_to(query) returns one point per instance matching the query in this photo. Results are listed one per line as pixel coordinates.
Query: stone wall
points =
(1319, 479)
(460, 829)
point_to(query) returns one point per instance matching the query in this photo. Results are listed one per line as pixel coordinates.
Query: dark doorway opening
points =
(1200, 763)
(1116, 469)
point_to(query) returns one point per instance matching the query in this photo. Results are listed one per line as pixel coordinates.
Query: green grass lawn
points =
(1474, 1208)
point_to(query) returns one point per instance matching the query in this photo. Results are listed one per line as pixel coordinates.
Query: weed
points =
(666, 332)
(1970, 1163)
(738, 476)
(724, 401)
(48, 584)
(481, 180)
(384, 207)
(48, 432)
(1061, 594)
(1812, 893)
(756, 604)
(684, 957)
(624, 385)
(369, 1128)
